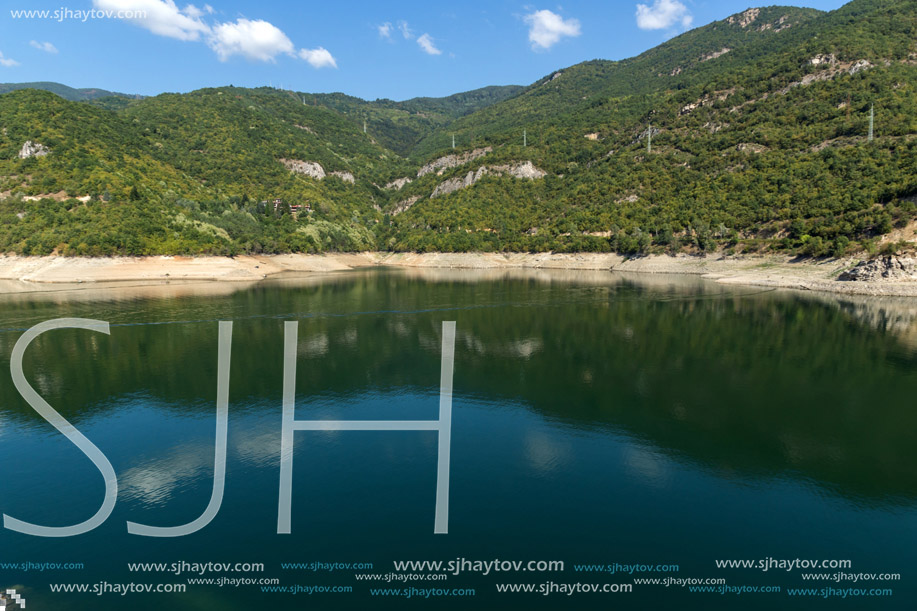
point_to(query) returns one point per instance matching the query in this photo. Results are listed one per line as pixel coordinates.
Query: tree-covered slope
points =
(192, 170)
(400, 126)
(748, 134)
(764, 146)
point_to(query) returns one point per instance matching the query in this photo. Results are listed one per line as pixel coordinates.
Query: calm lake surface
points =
(598, 418)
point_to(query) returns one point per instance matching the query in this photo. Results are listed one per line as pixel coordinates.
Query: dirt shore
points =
(27, 273)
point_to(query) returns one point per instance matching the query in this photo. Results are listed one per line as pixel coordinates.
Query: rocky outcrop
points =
(745, 19)
(522, 170)
(398, 183)
(882, 268)
(345, 176)
(454, 184)
(315, 170)
(308, 168)
(751, 147)
(778, 26)
(651, 131)
(829, 59)
(861, 65)
(60, 196)
(405, 205)
(713, 55)
(33, 149)
(707, 100)
(525, 169)
(452, 161)
(833, 70)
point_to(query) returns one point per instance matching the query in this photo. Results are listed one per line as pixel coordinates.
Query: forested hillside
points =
(750, 134)
(68, 93)
(400, 126)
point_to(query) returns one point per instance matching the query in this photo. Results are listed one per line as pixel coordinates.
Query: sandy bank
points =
(769, 271)
(67, 270)
(765, 271)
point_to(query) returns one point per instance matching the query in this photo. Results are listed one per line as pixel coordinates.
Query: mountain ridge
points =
(757, 128)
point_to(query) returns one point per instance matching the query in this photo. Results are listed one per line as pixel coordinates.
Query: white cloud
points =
(319, 58)
(256, 40)
(193, 12)
(7, 62)
(426, 43)
(47, 47)
(547, 28)
(385, 30)
(663, 14)
(405, 30)
(160, 17)
(253, 39)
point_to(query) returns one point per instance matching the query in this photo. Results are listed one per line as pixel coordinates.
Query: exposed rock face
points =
(745, 19)
(309, 168)
(521, 170)
(860, 66)
(592, 136)
(315, 170)
(707, 57)
(451, 161)
(707, 100)
(778, 26)
(398, 183)
(33, 149)
(526, 170)
(751, 147)
(345, 176)
(454, 184)
(715, 127)
(651, 131)
(832, 70)
(60, 196)
(820, 59)
(882, 268)
(404, 205)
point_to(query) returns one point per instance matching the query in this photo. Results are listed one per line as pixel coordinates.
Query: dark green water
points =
(597, 419)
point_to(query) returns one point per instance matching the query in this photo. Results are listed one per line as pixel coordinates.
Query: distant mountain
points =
(68, 93)
(749, 134)
(402, 125)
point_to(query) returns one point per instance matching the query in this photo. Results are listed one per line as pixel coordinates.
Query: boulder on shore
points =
(882, 268)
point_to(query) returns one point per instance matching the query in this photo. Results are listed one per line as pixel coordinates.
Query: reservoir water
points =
(598, 419)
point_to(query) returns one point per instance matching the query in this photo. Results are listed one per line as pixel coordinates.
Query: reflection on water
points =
(664, 418)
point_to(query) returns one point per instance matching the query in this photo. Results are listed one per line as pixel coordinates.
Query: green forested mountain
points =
(68, 93)
(748, 134)
(400, 126)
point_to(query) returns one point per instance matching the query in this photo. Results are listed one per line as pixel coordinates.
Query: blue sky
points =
(385, 49)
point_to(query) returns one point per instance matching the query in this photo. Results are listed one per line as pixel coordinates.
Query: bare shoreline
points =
(20, 274)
